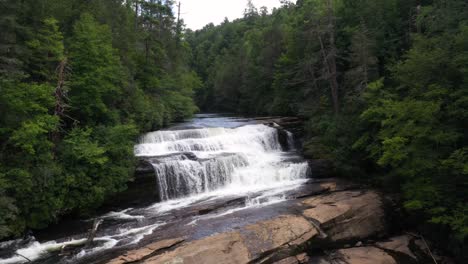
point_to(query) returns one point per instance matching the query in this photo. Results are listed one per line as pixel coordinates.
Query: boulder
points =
(363, 255)
(399, 244)
(347, 215)
(294, 125)
(359, 255)
(394, 250)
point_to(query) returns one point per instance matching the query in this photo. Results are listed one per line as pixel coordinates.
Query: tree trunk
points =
(331, 78)
(136, 14)
(179, 26)
(92, 232)
(331, 58)
(60, 95)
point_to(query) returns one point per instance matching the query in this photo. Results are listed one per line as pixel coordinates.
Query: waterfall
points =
(194, 161)
(185, 177)
(217, 160)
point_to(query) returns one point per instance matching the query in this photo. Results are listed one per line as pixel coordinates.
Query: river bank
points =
(231, 154)
(328, 221)
(230, 190)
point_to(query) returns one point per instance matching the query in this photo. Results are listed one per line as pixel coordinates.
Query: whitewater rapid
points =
(242, 159)
(206, 159)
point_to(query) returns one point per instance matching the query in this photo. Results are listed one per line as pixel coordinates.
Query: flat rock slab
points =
(394, 250)
(299, 259)
(270, 233)
(357, 255)
(399, 244)
(226, 248)
(244, 245)
(348, 215)
(279, 233)
(139, 254)
(287, 230)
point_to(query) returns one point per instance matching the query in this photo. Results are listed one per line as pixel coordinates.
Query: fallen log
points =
(92, 231)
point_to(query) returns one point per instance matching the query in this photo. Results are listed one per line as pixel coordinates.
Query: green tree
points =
(97, 80)
(10, 46)
(47, 51)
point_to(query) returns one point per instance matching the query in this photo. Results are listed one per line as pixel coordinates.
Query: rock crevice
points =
(328, 222)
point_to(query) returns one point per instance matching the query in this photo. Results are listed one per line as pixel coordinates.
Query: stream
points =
(206, 169)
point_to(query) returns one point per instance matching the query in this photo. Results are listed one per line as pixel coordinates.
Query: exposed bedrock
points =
(334, 223)
(320, 167)
(288, 128)
(326, 221)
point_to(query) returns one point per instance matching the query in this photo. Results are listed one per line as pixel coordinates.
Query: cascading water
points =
(244, 158)
(199, 164)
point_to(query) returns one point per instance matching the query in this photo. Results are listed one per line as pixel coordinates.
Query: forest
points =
(381, 84)
(79, 81)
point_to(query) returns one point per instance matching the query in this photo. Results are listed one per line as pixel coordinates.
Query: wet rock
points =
(247, 244)
(294, 125)
(399, 244)
(145, 163)
(173, 156)
(334, 215)
(142, 253)
(286, 122)
(144, 167)
(283, 139)
(314, 187)
(347, 215)
(213, 206)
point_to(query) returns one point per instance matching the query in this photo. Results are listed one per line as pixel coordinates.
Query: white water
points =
(124, 236)
(233, 159)
(222, 162)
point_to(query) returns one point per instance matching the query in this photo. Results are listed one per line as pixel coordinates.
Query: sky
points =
(198, 13)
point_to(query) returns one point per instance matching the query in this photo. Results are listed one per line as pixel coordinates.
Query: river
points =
(210, 167)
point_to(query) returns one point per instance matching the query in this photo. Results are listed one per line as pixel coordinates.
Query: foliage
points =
(78, 82)
(382, 85)
(400, 69)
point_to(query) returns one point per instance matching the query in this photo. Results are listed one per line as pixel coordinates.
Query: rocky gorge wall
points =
(333, 222)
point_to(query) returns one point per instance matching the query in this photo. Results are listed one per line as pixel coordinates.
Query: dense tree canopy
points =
(381, 84)
(79, 81)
